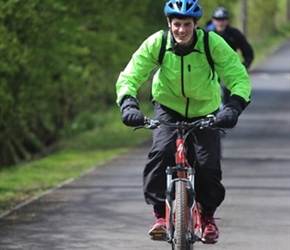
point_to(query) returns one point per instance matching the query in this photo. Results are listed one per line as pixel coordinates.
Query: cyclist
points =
(234, 37)
(184, 88)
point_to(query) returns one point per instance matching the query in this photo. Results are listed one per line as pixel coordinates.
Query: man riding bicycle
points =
(184, 88)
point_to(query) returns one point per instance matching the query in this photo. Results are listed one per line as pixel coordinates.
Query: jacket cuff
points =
(128, 101)
(237, 103)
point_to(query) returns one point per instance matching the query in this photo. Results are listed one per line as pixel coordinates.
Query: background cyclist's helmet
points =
(187, 8)
(221, 13)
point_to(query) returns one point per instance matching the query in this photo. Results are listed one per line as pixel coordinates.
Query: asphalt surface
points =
(105, 210)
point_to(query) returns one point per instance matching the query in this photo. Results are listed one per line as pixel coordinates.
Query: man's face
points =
(182, 29)
(220, 24)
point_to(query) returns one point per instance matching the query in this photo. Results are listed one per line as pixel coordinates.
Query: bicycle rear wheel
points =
(180, 241)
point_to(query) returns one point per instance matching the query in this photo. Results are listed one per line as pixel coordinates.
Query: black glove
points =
(228, 117)
(131, 115)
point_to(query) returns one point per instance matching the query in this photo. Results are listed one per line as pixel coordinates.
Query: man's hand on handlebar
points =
(227, 118)
(131, 115)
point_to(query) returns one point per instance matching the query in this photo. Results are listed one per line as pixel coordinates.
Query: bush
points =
(60, 60)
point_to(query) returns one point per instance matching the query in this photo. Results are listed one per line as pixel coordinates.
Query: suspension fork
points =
(191, 204)
(169, 201)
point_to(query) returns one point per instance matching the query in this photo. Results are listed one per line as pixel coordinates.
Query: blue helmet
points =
(190, 8)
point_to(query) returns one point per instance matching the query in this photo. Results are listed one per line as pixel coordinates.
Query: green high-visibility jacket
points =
(186, 84)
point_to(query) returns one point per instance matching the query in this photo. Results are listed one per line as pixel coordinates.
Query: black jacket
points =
(237, 41)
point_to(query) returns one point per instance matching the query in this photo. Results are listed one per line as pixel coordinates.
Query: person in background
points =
(234, 37)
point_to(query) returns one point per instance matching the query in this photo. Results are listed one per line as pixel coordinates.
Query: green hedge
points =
(60, 60)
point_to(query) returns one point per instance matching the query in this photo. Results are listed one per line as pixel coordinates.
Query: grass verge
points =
(75, 156)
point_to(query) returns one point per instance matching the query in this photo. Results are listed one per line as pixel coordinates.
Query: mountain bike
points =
(183, 219)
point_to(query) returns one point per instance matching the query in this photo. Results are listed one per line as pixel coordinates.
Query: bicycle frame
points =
(186, 174)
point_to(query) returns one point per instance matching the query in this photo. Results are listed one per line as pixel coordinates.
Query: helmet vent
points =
(196, 9)
(179, 5)
(188, 5)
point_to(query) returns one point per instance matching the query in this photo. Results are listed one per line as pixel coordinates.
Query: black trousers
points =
(209, 191)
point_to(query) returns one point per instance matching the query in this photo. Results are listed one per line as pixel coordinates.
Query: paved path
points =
(105, 209)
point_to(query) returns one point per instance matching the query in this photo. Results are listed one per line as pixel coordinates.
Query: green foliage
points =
(260, 21)
(75, 156)
(60, 61)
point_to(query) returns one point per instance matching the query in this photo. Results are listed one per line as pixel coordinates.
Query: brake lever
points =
(149, 124)
(224, 131)
(139, 127)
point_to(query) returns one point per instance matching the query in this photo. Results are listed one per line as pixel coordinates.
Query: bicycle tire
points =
(180, 241)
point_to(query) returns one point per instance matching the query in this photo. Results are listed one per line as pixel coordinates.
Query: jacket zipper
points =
(182, 87)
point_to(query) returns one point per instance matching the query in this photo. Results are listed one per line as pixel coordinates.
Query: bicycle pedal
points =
(209, 242)
(158, 235)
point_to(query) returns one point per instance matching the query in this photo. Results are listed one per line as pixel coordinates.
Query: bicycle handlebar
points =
(207, 122)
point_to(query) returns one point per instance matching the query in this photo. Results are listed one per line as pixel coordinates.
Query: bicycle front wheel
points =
(180, 241)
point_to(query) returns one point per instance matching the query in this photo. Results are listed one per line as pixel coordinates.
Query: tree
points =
(59, 58)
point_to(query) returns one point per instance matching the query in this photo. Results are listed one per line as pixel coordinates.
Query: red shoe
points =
(210, 232)
(158, 230)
